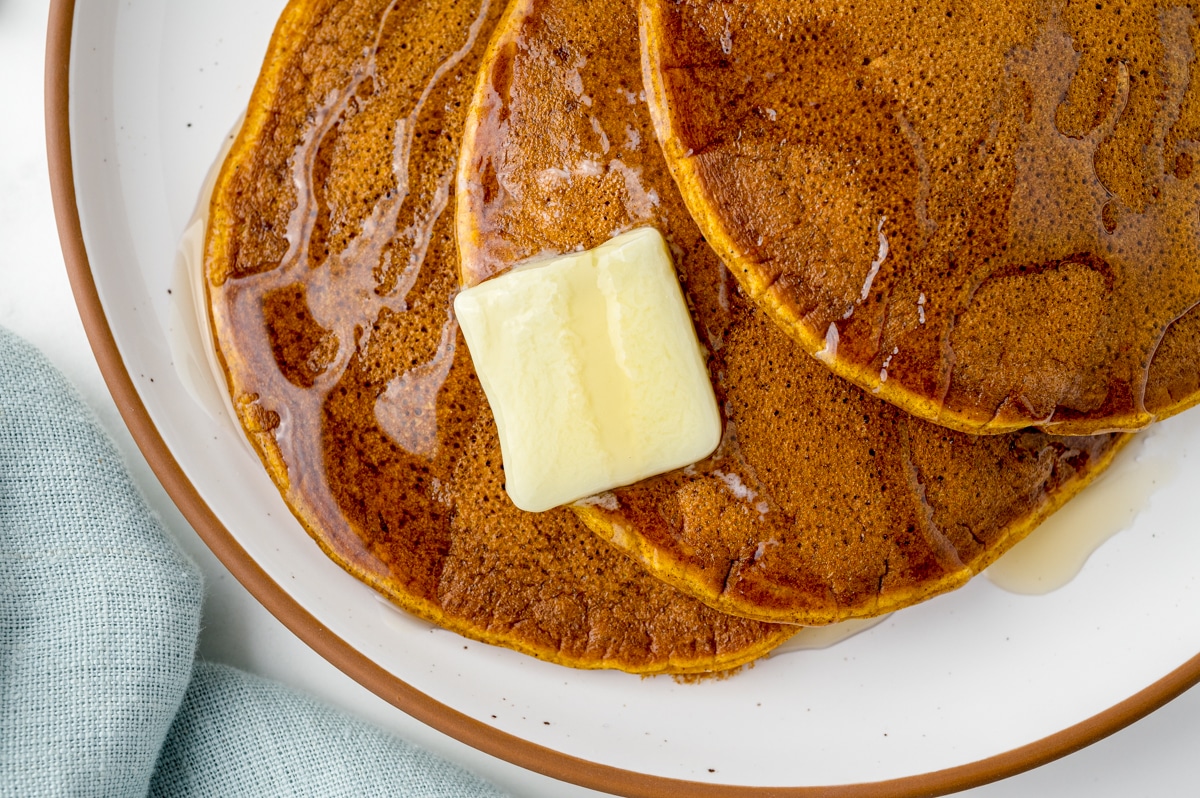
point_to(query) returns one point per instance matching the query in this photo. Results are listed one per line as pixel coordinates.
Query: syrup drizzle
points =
(380, 276)
(192, 351)
(1054, 553)
(348, 291)
(1035, 160)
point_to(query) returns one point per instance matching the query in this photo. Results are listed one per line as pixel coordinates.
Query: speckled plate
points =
(961, 690)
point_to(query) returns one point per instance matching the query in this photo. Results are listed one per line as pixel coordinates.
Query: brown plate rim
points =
(408, 699)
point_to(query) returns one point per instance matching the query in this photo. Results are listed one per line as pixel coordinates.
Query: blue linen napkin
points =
(100, 693)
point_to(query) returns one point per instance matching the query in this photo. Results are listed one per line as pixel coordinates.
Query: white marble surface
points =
(1155, 757)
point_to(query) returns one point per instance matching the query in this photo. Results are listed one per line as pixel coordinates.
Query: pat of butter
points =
(592, 368)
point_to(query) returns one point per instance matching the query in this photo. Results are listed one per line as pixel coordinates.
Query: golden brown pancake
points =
(986, 213)
(822, 503)
(331, 265)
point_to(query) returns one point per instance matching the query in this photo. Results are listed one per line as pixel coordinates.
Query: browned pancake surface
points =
(331, 265)
(822, 503)
(988, 213)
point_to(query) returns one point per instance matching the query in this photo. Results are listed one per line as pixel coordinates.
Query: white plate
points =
(962, 689)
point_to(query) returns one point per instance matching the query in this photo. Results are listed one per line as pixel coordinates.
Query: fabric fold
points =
(99, 620)
(99, 609)
(238, 734)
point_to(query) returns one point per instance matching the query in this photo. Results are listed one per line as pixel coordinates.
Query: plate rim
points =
(358, 666)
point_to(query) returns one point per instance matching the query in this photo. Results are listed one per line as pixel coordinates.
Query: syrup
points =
(1054, 553)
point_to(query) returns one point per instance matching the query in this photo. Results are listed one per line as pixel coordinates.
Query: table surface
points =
(1156, 756)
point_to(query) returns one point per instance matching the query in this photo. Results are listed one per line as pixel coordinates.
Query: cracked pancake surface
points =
(822, 503)
(331, 264)
(986, 213)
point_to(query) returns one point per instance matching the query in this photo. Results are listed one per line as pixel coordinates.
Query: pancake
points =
(985, 213)
(822, 503)
(331, 265)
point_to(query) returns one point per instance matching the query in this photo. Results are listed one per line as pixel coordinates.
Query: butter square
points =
(592, 368)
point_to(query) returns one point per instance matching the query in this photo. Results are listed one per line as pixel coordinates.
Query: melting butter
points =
(1054, 553)
(592, 369)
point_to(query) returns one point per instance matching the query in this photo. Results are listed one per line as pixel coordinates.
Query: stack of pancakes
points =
(897, 193)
